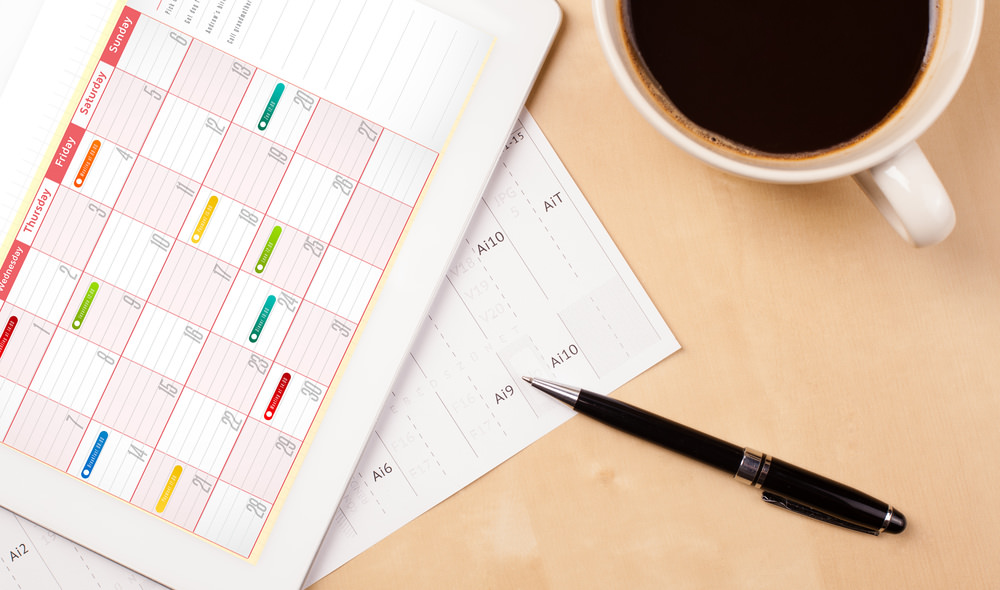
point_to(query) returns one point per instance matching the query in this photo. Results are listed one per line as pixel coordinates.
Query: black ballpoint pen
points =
(783, 484)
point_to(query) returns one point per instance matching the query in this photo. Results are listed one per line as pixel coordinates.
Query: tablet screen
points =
(195, 261)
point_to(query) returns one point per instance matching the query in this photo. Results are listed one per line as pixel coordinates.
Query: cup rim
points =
(812, 169)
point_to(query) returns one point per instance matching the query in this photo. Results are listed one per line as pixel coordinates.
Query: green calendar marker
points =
(88, 299)
(272, 104)
(262, 318)
(272, 241)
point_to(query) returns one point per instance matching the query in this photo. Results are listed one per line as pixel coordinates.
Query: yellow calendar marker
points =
(206, 216)
(168, 489)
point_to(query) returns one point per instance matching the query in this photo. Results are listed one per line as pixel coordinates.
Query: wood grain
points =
(810, 331)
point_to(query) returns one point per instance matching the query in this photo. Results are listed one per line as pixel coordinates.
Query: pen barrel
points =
(657, 429)
(829, 497)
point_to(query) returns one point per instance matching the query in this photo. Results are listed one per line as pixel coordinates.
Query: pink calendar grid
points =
(160, 372)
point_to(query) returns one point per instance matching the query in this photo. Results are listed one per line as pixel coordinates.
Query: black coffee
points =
(782, 77)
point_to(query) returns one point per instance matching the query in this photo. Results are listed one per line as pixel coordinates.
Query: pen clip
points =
(782, 502)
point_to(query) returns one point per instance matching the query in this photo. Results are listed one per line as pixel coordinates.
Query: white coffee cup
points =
(887, 163)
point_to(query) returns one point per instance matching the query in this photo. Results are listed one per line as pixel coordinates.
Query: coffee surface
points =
(782, 77)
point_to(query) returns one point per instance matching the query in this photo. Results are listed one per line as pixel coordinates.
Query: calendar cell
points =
(26, 345)
(399, 168)
(74, 372)
(221, 227)
(46, 430)
(287, 114)
(213, 80)
(229, 373)
(99, 169)
(284, 257)
(102, 314)
(312, 198)
(109, 460)
(44, 286)
(154, 52)
(260, 460)
(69, 208)
(180, 499)
(126, 112)
(248, 168)
(288, 402)
(371, 226)
(130, 255)
(137, 402)
(316, 343)
(193, 285)
(256, 315)
(185, 138)
(339, 139)
(201, 432)
(233, 518)
(157, 196)
(11, 395)
(344, 284)
(165, 343)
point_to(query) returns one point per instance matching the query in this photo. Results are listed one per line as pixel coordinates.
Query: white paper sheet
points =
(33, 558)
(537, 288)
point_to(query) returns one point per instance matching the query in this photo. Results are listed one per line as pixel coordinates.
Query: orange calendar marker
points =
(87, 163)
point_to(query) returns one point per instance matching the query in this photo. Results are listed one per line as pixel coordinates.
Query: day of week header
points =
(11, 266)
(120, 36)
(64, 153)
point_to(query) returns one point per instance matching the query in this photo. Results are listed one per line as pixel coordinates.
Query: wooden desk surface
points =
(809, 331)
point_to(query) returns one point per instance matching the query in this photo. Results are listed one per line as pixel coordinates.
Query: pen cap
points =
(827, 497)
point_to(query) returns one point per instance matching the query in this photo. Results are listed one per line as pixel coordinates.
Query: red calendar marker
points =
(276, 398)
(11, 323)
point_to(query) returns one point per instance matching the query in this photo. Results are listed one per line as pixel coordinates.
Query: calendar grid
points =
(343, 108)
(279, 348)
(277, 352)
(245, 420)
(161, 375)
(251, 207)
(146, 304)
(88, 260)
(176, 459)
(208, 255)
(68, 306)
(232, 283)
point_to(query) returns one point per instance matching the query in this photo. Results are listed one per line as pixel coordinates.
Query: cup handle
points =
(909, 194)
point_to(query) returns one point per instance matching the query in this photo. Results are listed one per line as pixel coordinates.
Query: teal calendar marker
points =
(262, 318)
(272, 104)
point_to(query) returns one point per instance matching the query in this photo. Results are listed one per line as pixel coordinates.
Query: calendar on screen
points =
(190, 275)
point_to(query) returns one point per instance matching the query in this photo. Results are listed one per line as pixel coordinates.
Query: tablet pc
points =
(224, 255)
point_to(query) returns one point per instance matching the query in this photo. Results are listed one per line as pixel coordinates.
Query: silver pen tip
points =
(528, 379)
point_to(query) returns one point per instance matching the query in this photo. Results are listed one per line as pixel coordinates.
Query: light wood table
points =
(810, 331)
